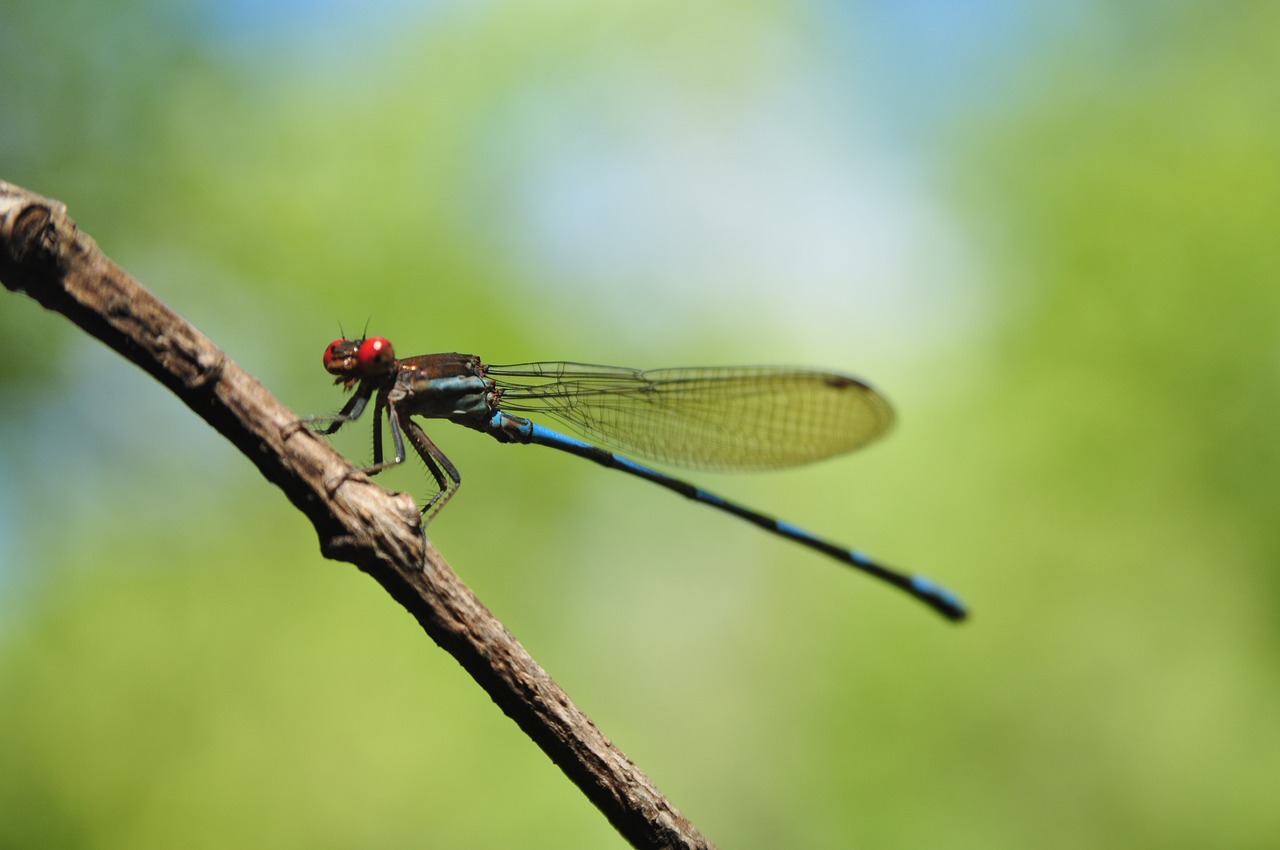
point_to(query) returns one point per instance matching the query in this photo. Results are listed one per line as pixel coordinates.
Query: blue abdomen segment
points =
(514, 429)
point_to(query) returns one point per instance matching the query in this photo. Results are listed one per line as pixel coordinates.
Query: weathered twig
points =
(43, 254)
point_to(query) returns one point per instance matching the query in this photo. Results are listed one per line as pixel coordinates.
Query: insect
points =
(714, 418)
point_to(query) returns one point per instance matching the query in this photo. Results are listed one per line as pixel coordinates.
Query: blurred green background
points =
(1048, 233)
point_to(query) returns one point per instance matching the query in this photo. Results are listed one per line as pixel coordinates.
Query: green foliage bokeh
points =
(1093, 465)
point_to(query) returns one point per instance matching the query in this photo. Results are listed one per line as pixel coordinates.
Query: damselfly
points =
(714, 418)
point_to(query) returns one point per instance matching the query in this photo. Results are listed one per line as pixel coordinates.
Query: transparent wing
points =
(715, 418)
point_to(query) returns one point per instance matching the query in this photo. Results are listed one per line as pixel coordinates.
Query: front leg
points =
(349, 412)
(352, 410)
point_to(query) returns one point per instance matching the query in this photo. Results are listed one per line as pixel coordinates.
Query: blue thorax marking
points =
(454, 385)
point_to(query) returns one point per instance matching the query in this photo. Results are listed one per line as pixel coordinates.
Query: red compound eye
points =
(331, 353)
(374, 354)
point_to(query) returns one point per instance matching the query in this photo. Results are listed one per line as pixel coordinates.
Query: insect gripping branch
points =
(44, 254)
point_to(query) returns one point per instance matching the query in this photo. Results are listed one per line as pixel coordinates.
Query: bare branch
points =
(43, 254)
